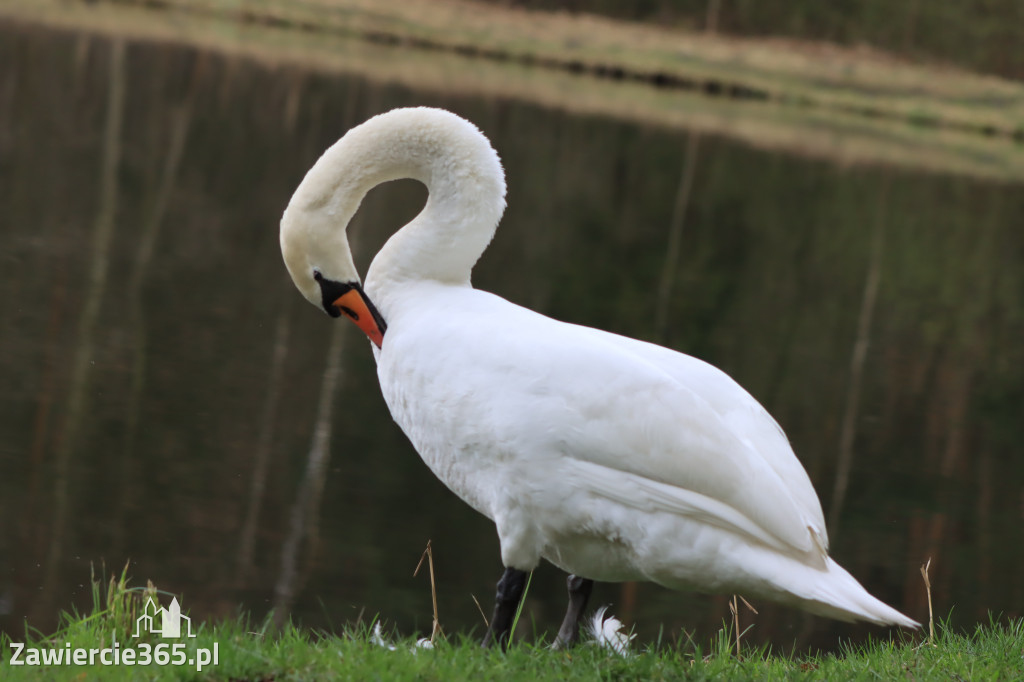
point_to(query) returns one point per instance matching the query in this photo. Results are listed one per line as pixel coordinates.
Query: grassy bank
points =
(977, 34)
(843, 80)
(257, 651)
(847, 106)
(858, 80)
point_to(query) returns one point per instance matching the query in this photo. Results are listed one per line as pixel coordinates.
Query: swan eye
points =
(316, 275)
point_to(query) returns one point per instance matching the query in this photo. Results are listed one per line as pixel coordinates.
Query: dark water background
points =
(160, 377)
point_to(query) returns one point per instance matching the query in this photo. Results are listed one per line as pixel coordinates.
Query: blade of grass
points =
(519, 609)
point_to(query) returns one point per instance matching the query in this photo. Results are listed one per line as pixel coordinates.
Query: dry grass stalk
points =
(479, 608)
(428, 554)
(734, 608)
(928, 589)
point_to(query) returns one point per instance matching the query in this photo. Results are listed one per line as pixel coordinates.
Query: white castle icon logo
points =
(169, 621)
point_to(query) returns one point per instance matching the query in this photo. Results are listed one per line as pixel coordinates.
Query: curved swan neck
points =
(449, 155)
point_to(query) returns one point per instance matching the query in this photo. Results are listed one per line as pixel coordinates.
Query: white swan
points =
(612, 458)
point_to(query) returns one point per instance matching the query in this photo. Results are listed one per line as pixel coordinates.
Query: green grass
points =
(255, 651)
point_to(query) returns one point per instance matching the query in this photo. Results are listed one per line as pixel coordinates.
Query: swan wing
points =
(676, 442)
(747, 420)
(650, 496)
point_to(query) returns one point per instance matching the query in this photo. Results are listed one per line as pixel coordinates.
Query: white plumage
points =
(612, 458)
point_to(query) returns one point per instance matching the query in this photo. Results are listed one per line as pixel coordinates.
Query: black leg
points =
(510, 591)
(579, 593)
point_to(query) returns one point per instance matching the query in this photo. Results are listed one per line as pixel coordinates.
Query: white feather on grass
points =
(608, 634)
(377, 637)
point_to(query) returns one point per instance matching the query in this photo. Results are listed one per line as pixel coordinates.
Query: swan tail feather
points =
(840, 596)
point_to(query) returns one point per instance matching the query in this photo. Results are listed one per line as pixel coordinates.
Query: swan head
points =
(321, 266)
(466, 187)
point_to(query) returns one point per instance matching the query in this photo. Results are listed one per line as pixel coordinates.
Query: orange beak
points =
(356, 308)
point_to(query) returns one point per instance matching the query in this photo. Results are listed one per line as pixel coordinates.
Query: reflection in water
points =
(160, 392)
(85, 339)
(304, 522)
(149, 234)
(262, 451)
(858, 358)
(675, 238)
